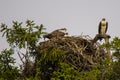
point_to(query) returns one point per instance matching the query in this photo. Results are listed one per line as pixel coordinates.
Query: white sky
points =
(78, 16)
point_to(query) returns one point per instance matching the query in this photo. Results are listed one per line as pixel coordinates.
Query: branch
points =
(100, 37)
(20, 58)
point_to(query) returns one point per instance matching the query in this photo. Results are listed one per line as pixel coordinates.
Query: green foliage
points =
(115, 72)
(7, 70)
(115, 44)
(65, 72)
(48, 61)
(52, 55)
(23, 36)
(90, 75)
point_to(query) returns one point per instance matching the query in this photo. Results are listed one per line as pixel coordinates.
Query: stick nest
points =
(79, 52)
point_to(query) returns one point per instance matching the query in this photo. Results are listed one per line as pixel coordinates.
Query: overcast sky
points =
(78, 16)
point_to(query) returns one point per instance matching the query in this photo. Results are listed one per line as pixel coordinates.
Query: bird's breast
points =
(103, 29)
(104, 24)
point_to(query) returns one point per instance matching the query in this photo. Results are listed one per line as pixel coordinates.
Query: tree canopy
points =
(58, 58)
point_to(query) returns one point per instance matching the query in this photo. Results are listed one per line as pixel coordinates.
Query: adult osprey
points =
(103, 25)
(57, 33)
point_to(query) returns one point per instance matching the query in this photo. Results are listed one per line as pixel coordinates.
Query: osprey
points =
(57, 33)
(103, 25)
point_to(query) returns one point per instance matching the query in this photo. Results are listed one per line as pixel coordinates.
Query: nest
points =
(80, 52)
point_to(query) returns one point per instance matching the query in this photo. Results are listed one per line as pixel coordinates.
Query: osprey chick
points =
(56, 33)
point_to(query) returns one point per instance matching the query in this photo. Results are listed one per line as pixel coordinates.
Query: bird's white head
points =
(103, 19)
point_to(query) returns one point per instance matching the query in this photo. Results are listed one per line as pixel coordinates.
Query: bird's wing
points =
(106, 27)
(99, 29)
